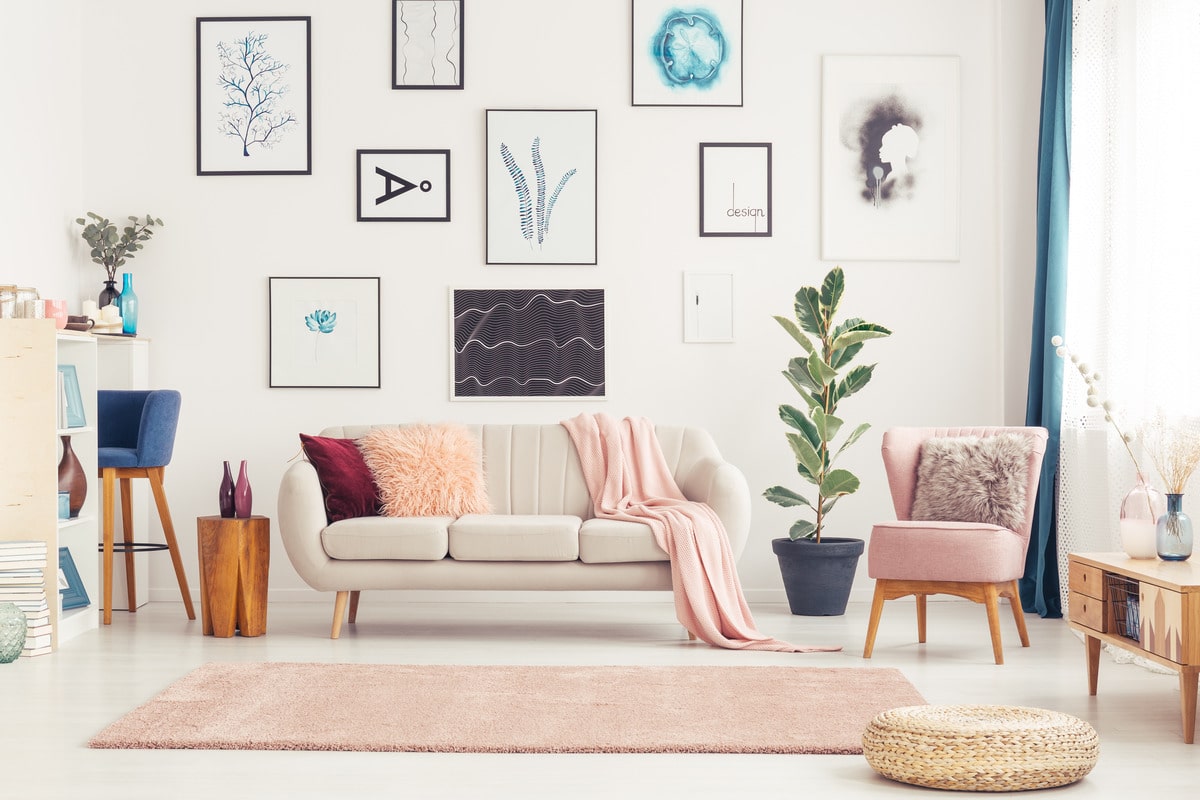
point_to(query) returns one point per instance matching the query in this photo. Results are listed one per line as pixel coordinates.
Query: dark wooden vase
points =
(71, 477)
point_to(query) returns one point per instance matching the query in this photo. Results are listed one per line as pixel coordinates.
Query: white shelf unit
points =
(30, 352)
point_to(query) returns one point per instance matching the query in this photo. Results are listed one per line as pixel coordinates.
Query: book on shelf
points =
(22, 577)
(40, 629)
(34, 642)
(23, 563)
(39, 651)
(33, 608)
(27, 545)
(9, 594)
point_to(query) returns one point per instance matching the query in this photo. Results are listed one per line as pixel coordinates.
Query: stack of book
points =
(23, 582)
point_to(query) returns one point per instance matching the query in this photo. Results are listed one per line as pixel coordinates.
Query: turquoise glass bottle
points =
(127, 302)
(1174, 533)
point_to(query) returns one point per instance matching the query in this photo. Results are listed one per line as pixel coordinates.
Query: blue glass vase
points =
(127, 302)
(1173, 535)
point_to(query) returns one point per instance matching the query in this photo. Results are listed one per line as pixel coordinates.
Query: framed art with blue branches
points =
(541, 186)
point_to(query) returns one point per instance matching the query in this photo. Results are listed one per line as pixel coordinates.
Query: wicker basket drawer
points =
(1087, 580)
(1088, 611)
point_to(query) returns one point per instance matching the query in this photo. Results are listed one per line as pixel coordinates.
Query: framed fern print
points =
(541, 186)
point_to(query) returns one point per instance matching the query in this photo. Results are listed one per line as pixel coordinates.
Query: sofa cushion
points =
(427, 470)
(973, 479)
(346, 482)
(614, 541)
(395, 539)
(515, 537)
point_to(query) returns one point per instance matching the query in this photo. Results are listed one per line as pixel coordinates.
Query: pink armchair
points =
(975, 560)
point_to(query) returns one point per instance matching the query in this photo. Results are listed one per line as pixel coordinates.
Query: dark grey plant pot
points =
(818, 577)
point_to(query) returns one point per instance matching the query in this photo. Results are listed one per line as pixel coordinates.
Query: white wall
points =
(203, 280)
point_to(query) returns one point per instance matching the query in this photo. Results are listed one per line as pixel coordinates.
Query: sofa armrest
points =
(301, 511)
(723, 487)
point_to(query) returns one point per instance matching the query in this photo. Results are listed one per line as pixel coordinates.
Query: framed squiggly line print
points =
(541, 186)
(427, 44)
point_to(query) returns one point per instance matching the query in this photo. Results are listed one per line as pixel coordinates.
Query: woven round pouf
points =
(980, 748)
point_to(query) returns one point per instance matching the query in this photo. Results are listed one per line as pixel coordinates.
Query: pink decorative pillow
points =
(973, 479)
(346, 482)
(426, 470)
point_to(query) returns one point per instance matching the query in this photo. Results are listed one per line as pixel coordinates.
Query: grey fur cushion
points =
(973, 479)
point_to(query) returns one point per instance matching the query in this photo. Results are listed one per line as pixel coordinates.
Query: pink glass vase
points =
(1140, 511)
(242, 496)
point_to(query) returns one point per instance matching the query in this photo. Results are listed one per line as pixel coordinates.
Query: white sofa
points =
(541, 534)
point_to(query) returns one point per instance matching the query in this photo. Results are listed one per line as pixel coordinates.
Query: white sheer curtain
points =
(1133, 285)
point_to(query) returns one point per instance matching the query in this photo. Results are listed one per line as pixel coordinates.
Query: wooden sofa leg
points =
(339, 611)
(353, 606)
(691, 636)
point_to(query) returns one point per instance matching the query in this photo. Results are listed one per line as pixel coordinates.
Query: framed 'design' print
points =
(541, 186)
(253, 96)
(735, 189)
(890, 158)
(324, 332)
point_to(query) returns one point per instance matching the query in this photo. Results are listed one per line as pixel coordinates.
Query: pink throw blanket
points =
(628, 479)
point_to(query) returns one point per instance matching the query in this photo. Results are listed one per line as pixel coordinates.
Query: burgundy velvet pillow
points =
(346, 482)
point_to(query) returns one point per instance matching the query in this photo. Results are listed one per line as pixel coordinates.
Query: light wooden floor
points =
(49, 706)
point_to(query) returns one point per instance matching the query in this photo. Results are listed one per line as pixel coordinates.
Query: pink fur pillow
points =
(973, 479)
(426, 470)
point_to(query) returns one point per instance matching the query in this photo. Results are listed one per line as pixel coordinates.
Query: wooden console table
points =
(235, 555)
(1147, 606)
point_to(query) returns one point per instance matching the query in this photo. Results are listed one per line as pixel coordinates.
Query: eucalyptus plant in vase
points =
(817, 575)
(110, 247)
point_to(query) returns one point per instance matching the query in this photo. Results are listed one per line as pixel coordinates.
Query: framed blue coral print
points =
(687, 54)
(324, 332)
(541, 186)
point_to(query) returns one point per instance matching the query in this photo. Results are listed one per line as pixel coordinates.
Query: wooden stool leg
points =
(991, 599)
(353, 606)
(339, 610)
(155, 474)
(127, 531)
(873, 625)
(110, 481)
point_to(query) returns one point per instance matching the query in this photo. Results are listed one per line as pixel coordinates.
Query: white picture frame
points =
(890, 158)
(686, 55)
(324, 332)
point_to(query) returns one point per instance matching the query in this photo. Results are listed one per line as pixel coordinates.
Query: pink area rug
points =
(514, 709)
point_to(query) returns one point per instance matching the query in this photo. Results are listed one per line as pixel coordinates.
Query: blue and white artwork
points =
(687, 54)
(253, 96)
(324, 332)
(890, 158)
(541, 187)
(427, 44)
(528, 343)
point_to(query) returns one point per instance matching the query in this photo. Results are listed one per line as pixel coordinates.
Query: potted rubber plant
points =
(818, 570)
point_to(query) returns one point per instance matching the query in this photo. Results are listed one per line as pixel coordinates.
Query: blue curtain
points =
(1040, 587)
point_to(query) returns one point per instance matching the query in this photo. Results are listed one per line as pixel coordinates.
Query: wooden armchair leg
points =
(991, 599)
(1014, 599)
(353, 606)
(921, 618)
(873, 625)
(339, 610)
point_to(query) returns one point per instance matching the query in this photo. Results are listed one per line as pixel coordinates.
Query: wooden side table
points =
(1146, 606)
(235, 556)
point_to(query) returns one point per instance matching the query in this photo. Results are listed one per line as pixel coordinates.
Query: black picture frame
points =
(428, 46)
(72, 398)
(275, 134)
(300, 306)
(724, 166)
(402, 185)
(74, 594)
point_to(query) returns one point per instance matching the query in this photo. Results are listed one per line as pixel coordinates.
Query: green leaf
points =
(803, 472)
(843, 356)
(797, 419)
(802, 529)
(798, 369)
(813, 400)
(855, 379)
(853, 437)
(839, 482)
(821, 372)
(860, 333)
(806, 454)
(827, 425)
(831, 292)
(795, 333)
(808, 311)
(781, 495)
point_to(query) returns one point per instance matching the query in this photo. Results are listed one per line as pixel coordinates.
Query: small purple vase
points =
(225, 494)
(242, 496)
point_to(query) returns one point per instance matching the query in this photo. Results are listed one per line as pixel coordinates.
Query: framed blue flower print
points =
(324, 332)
